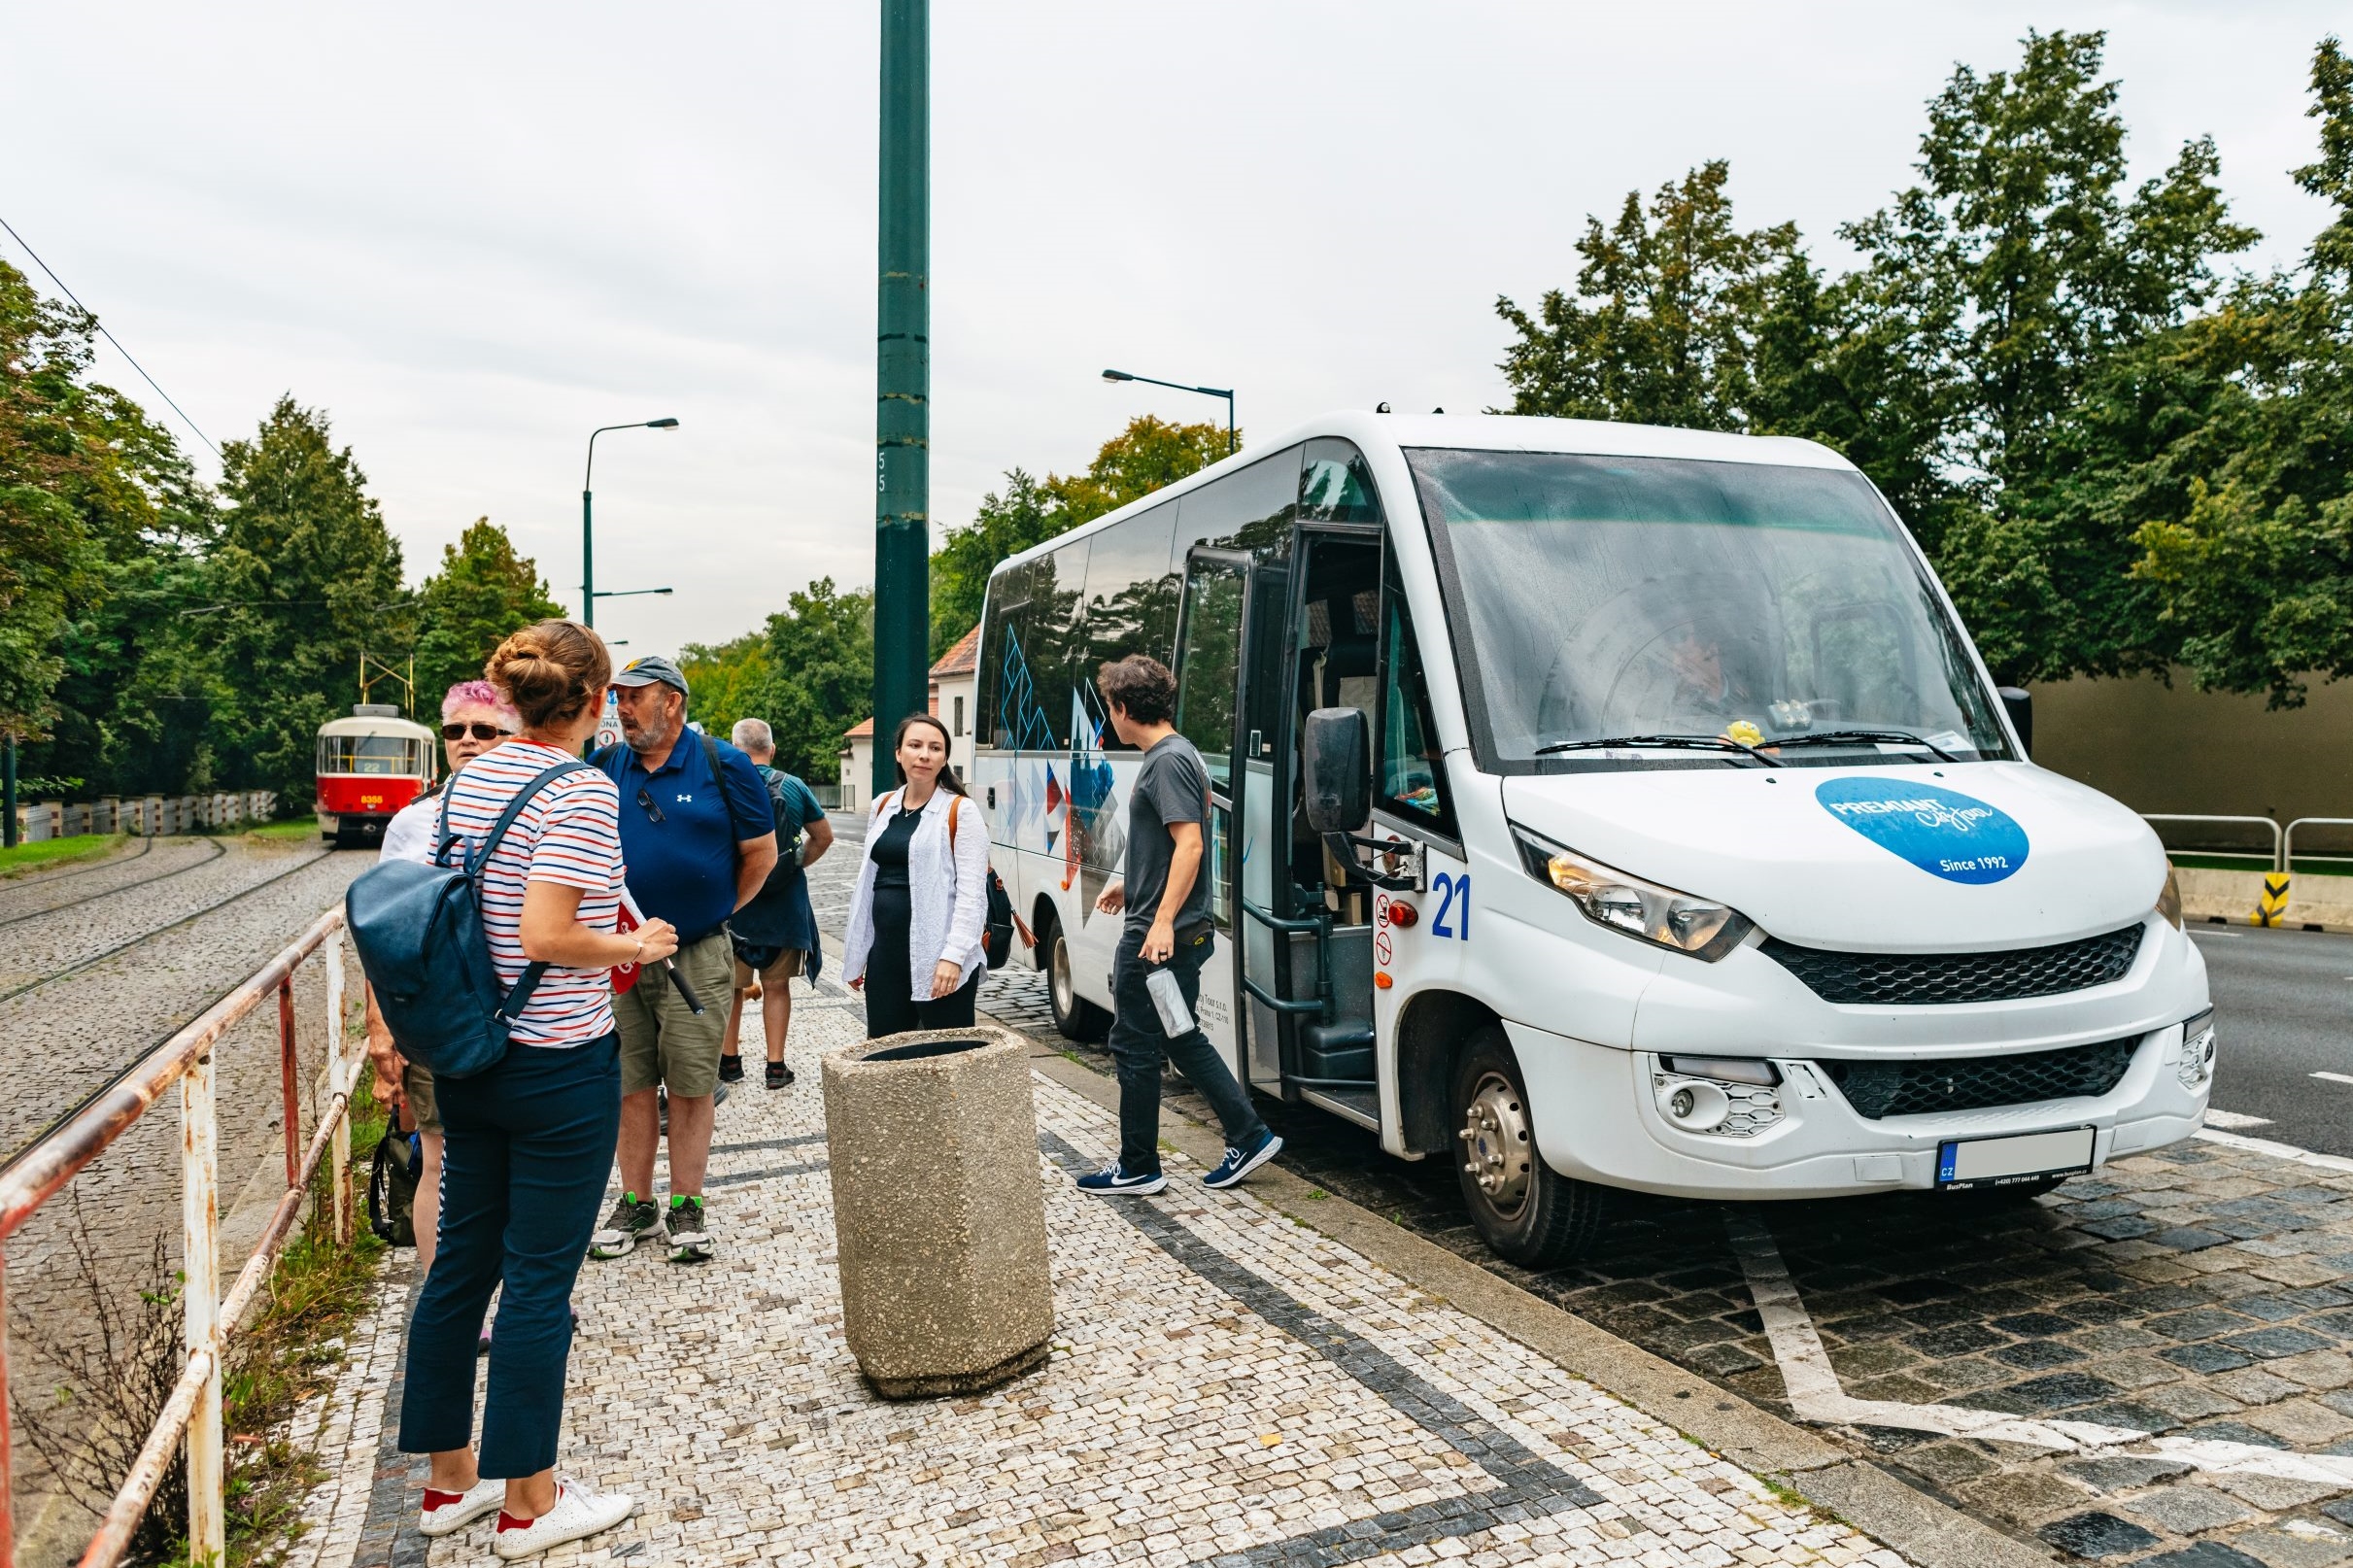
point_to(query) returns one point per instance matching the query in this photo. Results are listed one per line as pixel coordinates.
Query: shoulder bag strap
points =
(954, 801)
(443, 838)
(710, 749)
(519, 997)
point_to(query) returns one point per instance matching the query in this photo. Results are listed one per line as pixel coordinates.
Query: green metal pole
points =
(903, 375)
(588, 561)
(7, 794)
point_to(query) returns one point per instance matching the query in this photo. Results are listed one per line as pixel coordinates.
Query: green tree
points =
(730, 680)
(820, 676)
(1661, 327)
(483, 590)
(1149, 454)
(306, 578)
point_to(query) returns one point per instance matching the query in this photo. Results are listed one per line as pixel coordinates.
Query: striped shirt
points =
(569, 835)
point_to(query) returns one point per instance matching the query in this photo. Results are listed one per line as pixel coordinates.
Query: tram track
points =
(140, 1053)
(218, 851)
(95, 959)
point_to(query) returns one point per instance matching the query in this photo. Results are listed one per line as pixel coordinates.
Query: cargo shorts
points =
(662, 1043)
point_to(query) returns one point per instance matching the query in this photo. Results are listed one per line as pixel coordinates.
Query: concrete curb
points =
(1927, 1531)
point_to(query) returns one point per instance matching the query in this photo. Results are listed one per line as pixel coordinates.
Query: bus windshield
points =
(1597, 599)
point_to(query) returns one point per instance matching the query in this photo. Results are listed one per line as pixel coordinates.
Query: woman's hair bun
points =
(550, 670)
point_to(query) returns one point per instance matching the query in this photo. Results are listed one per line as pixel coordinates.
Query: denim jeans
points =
(526, 1149)
(1139, 1047)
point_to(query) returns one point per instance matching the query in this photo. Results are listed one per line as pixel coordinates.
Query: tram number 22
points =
(1453, 904)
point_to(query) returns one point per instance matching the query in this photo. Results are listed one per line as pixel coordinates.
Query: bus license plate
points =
(1993, 1162)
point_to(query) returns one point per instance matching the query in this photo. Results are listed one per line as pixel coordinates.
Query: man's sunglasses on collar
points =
(481, 732)
(645, 799)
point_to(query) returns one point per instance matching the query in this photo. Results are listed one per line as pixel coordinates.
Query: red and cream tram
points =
(370, 765)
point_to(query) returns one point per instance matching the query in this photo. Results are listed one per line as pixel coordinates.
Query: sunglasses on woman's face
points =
(481, 732)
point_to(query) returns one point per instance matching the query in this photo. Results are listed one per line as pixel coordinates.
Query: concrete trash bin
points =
(938, 1214)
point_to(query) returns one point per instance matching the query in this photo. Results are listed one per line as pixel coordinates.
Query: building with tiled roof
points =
(954, 703)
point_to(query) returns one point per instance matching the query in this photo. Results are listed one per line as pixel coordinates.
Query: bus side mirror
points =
(1338, 770)
(2019, 703)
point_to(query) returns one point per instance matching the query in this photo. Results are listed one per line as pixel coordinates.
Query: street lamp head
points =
(1117, 375)
(661, 424)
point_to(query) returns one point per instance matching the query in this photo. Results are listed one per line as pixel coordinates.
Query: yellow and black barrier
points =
(2273, 908)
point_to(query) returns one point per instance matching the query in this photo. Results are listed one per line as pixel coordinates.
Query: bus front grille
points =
(1877, 1089)
(1924, 980)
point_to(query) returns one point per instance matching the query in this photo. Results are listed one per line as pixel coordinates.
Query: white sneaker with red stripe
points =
(578, 1512)
(444, 1512)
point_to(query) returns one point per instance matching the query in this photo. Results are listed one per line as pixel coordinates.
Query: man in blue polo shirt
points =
(699, 840)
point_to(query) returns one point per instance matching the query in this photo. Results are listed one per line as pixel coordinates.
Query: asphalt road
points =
(2283, 1005)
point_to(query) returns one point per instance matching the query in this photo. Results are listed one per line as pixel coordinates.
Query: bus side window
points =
(1412, 782)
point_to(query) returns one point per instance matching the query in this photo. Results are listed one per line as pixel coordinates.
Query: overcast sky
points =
(472, 233)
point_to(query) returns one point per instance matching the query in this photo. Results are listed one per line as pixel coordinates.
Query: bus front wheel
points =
(1074, 1016)
(1529, 1214)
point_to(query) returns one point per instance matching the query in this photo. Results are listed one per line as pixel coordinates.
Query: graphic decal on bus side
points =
(1943, 831)
(1074, 806)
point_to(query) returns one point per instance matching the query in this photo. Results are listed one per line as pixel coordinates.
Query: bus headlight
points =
(2168, 898)
(2197, 1050)
(1632, 906)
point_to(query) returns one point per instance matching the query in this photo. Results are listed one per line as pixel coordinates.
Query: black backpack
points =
(997, 931)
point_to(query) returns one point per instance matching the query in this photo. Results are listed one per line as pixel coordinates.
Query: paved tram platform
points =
(1228, 1386)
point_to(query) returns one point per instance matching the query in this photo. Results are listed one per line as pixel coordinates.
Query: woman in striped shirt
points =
(527, 1142)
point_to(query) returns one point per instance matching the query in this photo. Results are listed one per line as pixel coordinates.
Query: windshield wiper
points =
(1833, 737)
(1678, 742)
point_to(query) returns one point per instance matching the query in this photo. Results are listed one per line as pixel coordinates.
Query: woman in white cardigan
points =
(915, 925)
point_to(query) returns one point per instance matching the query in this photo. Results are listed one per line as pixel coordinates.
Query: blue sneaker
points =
(1111, 1181)
(1239, 1163)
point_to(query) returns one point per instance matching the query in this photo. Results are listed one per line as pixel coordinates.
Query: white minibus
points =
(1597, 807)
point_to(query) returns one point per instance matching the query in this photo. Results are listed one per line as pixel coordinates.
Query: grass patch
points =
(291, 827)
(57, 852)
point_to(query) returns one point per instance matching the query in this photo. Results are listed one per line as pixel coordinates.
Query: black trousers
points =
(890, 980)
(1139, 1047)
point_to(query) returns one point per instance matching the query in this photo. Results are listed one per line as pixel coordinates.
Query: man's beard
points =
(649, 737)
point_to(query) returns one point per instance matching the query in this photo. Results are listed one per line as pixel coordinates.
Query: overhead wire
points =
(96, 321)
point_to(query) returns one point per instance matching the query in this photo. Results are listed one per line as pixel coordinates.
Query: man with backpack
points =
(775, 934)
(698, 835)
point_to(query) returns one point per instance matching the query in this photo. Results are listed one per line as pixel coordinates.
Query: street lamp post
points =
(1227, 393)
(588, 531)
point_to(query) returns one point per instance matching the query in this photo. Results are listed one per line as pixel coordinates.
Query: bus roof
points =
(1487, 432)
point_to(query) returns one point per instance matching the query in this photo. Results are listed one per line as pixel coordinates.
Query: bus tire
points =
(1074, 1016)
(1529, 1214)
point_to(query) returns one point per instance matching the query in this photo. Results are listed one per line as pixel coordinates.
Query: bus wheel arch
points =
(1074, 1016)
(1432, 1031)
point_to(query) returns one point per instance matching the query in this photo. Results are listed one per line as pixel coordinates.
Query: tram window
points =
(1335, 484)
(1413, 768)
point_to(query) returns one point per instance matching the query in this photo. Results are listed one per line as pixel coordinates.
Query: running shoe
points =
(444, 1512)
(578, 1512)
(1112, 1182)
(779, 1075)
(690, 1231)
(730, 1068)
(1240, 1162)
(633, 1219)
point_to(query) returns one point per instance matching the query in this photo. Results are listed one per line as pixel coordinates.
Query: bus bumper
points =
(1818, 1145)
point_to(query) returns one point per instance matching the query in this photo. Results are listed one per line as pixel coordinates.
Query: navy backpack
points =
(418, 932)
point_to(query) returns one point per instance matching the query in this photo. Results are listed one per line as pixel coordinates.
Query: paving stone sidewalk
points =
(1227, 1386)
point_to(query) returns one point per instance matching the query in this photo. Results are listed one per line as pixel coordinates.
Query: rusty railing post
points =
(8, 1437)
(200, 1297)
(285, 1075)
(342, 1078)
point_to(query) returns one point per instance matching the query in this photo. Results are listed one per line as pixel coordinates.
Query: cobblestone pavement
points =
(2201, 1295)
(1226, 1387)
(61, 1041)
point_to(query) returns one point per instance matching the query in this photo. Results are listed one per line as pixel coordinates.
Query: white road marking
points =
(2335, 1077)
(1816, 1394)
(2232, 1121)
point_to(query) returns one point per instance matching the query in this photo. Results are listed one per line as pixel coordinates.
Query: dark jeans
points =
(1137, 1048)
(526, 1150)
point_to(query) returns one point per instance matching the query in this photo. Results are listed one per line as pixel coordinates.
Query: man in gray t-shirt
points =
(1167, 901)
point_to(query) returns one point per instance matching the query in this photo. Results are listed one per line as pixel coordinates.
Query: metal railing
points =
(193, 1409)
(2280, 840)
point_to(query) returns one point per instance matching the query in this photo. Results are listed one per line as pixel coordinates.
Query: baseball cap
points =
(649, 669)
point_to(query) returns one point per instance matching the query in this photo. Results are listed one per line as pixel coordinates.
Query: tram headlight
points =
(1632, 906)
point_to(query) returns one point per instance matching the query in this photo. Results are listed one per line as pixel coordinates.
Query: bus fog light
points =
(2197, 1050)
(1714, 1107)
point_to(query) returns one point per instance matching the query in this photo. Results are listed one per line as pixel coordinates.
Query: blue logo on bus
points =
(1943, 831)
